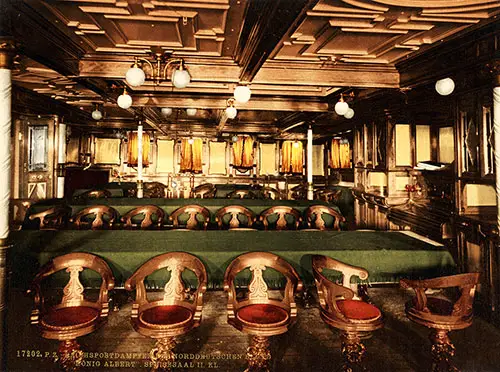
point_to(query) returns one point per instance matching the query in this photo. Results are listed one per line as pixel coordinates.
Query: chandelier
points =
(157, 70)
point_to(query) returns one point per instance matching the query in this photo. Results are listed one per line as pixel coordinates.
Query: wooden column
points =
(6, 57)
(496, 128)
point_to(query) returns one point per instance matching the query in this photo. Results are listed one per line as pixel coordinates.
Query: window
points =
(38, 151)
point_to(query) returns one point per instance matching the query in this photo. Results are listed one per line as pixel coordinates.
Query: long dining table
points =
(387, 255)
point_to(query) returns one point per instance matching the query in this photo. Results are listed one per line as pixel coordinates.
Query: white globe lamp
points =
(135, 76)
(341, 107)
(191, 111)
(124, 101)
(242, 93)
(231, 112)
(166, 111)
(349, 113)
(96, 114)
(445, 86)
(181, 78)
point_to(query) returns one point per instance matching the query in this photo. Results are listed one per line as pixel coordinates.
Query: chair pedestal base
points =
(442, 351)
(353, 351)
(163, 353)
(69, 355)
(258, 354)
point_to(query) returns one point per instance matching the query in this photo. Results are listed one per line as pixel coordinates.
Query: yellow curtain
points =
(335, 153)
(197, 149)
(191, 155)
(132, 158)
(292, 160)
(345, 154)
(243, 152)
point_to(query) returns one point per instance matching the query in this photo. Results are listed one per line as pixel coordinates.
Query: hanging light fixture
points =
(296, 144)
(166, 111)
(242, 94)
(124, 101)
(445, 86)
(231, 111)
(349, 113)
(96, 114)
(158, 70)
(190, 140)
(191, 111)
(341, 106)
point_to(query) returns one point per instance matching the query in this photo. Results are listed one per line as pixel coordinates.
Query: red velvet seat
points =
(262, 314)
(70, 317)
(166, 315)
(358, 310)
(342, 308)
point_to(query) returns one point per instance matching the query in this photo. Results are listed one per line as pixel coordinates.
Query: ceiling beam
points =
(270, 74)
(44, 42)
(266, 22)
(270, 104)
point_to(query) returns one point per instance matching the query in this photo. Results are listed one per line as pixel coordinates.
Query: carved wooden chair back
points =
(430, 310)
(104, 217)
(258, 292)
(314, 217)
(241, 194)
(148, 211)
(281, 223)
(327, 195)
(234, 211)
(299, 192)
(17, 213)
(73, 296)
(154, 190)
(95, 194)
(52, 218)
(175, 290)
(204, 191)
(270, 193)
(328, 291)
(192, 211)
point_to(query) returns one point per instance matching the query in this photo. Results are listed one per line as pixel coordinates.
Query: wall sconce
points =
(231, 111)
(136, 76)
(124, 101)
(445, 86)
(242, 94)
(96, 114)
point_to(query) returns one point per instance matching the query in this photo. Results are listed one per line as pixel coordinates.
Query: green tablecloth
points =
(388, 256)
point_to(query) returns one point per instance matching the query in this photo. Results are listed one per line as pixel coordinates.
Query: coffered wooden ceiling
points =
(297, 55)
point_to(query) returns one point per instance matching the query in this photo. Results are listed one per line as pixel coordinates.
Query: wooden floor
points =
(309, 346)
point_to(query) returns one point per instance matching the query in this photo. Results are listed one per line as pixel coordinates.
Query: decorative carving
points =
(73, 292)
(258, 354)
(69, 355)
(7, 52)
(258, 287)
(162, 354)
(353, 351)
(174, 289)
(442, 351)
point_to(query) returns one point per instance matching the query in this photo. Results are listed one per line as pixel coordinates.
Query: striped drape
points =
(191, 156)
(340, 153)
(132, 159)
(292, 157)
(243, 155)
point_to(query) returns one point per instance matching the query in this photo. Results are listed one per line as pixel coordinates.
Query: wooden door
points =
(34, 157)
